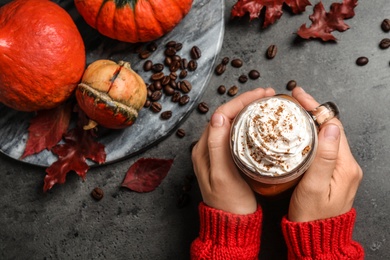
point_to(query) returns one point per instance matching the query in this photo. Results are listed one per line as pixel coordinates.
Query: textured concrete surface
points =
(66, 223)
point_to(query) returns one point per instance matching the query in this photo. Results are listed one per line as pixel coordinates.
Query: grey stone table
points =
(66, 223)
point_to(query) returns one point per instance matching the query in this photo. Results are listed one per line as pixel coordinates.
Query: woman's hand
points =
(219, 180)
(329, 186)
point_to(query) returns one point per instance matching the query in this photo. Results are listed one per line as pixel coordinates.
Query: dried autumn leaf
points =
(146, 174)
(324, 23)
(273, 9)
(46, 129)
(79, 145)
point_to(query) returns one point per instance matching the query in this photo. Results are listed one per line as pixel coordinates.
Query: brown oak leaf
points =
(47, 128)
(79, 145)
(146, 174)
(324, 23)
(273, 9)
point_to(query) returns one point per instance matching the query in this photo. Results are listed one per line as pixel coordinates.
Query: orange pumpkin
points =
(42, 55)
(133, 20)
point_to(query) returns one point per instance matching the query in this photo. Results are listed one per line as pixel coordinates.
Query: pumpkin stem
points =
(91, 125)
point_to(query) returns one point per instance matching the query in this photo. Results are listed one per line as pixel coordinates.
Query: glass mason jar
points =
(274, 141)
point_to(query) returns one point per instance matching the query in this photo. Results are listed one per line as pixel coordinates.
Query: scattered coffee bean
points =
(178, 46)
(203, 107)
(254, 74)
(151, 46)
(185, 86)
(176, 97)
(385, 25)
(155, 107)
(97, 193)
(170, 51)
(148, 65)
(168, 61)
(195, 53)
(192, 65)
(157, 76)
(144, 54)
(220, 69)
(165, 80)
(221, 89)
(168, 90)
(225, 61)
(173, 75)
(183, 74)
(180, 133)
(384, 43)
(233, 91)
(184, 100)
(361, 61)
(237, 63)
(175, 66)
(170, 44)
(147, 103)
(291, 85)
(157, 85)
(156, 95)
(183, 64)
(271, 51)
(243, 78)
(166, 115)
(158, 67)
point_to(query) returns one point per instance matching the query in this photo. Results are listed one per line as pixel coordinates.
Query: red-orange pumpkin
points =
(133, 20)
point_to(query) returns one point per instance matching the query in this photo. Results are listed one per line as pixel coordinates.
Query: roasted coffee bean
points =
(225, 61)
(150, 91)
(158, 67)
(157, 85)
(233, 91)
(254, 74)
(192, 65)
(175, 66)
(156, 95)
(237, 63)
(385, 25)
(183, 74)
(221, 89)
(203, 107)
(166, 115)
(168, 90)
(157, 76)
(195, 53)
(385, 43)
(156, 107)
(165, 80)
(170, 44)
(361, 61)
(176, 58)
(184, 100)
(152, 46)
(148, 65)
(97, 193)
(168, 61)
(183, 64)
(173, 75)
(220, 69)
(144, 54)
(170, 51)
(147, 103)
(243, 78)
(176, 97)
(271, 51)
(173, 84)
(291, 85)
(180, 132)
(185, 86)
(178, 46)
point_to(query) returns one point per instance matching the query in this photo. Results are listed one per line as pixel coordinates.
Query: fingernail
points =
(332, 132)
(217, 120)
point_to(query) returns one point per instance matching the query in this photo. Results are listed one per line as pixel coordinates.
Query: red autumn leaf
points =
(79, 145)
(273, 9)
(324, 23)
(146, 174)
(46, 129)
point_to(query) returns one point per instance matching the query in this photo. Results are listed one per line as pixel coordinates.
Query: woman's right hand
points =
(329, 186)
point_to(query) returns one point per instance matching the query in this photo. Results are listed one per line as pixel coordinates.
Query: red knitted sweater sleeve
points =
(322, 239)
(225, 236)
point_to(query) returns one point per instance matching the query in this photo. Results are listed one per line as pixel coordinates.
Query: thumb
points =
(218, 143)
(319, 174)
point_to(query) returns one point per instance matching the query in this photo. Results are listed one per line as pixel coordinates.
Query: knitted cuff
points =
(329, 238)
(230, 230)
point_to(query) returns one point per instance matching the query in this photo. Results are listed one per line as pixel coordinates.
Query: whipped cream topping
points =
(272, 136)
